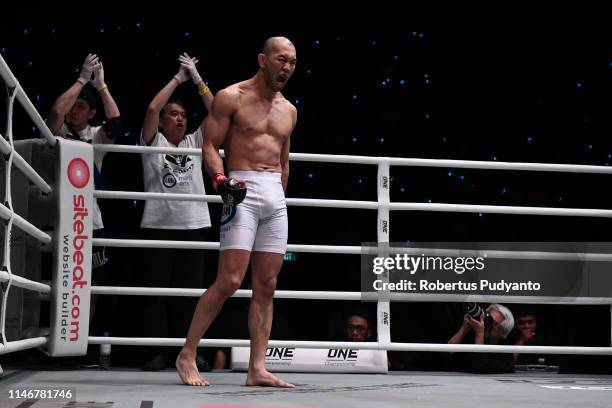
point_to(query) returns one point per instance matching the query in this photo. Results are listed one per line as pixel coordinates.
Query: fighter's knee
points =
(265, 287)
(227, 287)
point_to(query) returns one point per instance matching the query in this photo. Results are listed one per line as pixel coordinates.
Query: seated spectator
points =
(357, 326)
(527, 333)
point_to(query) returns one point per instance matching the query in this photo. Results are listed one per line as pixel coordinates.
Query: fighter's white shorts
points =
(259, 223)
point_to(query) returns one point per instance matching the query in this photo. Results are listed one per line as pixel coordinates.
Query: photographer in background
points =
(484, 327)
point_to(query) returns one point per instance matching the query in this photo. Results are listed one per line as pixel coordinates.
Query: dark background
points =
(481, 92)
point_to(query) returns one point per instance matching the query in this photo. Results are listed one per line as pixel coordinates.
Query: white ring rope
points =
(7, 213)
(18, 345)
(25, 167)
(296, 202)
(334, 295)
(393, 161)
(146, 149)
(140, 195)
(11, 82)
(8, 227)
(21, 282)
(16, 92)
(25, 226)
(358, 250)
(241, 293)
(372, 205)
(462, 348)
(501, 209)
(153, 243)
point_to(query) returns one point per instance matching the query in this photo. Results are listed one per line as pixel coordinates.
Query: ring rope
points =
(8, 203)
(11, 81)
(391, 346)
(393, 161)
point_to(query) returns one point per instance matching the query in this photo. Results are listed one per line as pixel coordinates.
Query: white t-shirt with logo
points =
(174, 173)
(91, 134)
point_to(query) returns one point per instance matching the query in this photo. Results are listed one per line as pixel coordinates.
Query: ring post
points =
(383, 310)
(72, 252)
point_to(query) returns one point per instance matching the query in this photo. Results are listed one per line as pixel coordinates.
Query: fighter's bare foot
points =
(188, 371)
(265, 379)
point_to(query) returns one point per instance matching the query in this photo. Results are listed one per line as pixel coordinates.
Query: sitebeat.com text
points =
(412, 264)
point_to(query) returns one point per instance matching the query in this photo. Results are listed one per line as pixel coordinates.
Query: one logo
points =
(169, 180)
(78, 172)
(342, 354)
(279, 353)
(229, 212)
(385, 182)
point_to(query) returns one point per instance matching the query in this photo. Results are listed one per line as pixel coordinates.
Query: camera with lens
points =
(474, 310)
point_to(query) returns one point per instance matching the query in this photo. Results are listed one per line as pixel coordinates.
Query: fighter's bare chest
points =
(260, 119)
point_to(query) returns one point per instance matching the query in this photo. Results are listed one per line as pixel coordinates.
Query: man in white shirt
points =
(70, 118)
(72, 111)
(165, 125)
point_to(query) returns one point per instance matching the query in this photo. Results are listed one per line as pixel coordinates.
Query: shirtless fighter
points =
(253, 122)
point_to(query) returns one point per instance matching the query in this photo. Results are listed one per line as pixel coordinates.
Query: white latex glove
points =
(88, 66)
(190, 65)
(182, 75)
(98, 79)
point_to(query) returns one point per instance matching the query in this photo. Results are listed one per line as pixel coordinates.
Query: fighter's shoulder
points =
(289, 106)
(285, 102)
(227, 98)
(231, 92)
